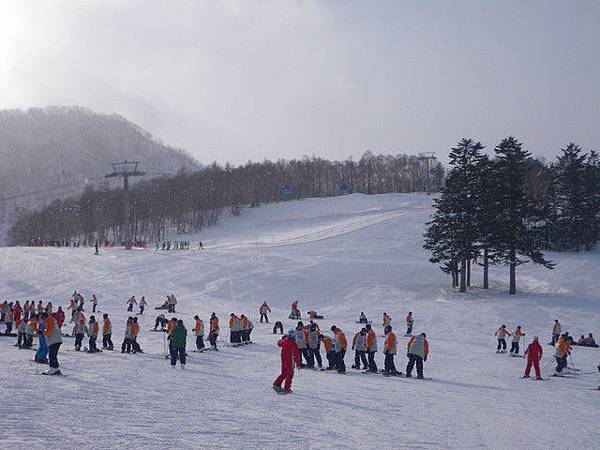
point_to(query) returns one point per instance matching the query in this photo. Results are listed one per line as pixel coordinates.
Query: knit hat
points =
(291, 334)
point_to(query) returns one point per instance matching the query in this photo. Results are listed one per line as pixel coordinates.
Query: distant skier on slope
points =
(142, 305)
(418, 349)
(295, 313)
(107, 342)
(534, 354)
(199, 333)
(501, 333)
(290, 356)
(556, 331)
(92, 330)
(213, 332)
(359, 345)
(389, 350)
(264, 310)
(514, 346)
(371, 348)
(130, 303)
(387, 321)
(362, 318)
(409, 324)
(340, 346)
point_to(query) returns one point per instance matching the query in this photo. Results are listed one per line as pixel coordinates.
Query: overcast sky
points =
(253, 79)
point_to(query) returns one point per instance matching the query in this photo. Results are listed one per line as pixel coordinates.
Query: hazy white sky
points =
(252, 79)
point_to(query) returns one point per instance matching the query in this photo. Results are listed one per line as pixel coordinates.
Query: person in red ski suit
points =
(290, 354)
(534, 354)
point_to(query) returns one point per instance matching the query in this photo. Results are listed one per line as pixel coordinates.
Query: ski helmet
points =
(291, 334)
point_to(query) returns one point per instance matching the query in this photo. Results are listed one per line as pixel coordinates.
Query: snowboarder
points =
(501, 333)
(387, 321)
(199, 332)
(127, 340)
(389, 350)
(329, 351)
(278, 327)
(290, 355)
(534, 354)
(107, 342)
(556, 330)
(79, 330)
(178, 344)
(295, 314)
(213, 332)
(244, 329)
(264, 310)
(234, 329)
(132, 301)
(514, 346)
(94, 302)
(362, 318)
(562, 350)
(301, 339)
(53, 341)
(314, 346)
(135, 330)
(409, 324)
(160, 320)
(359, 345)
(93, 329)
(418, 349)
(340, 346)
(142, 304)
(371, 348)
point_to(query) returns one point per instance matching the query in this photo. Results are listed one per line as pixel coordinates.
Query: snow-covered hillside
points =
(339, 256)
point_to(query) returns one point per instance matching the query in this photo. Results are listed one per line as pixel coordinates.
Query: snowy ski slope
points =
(339, 256)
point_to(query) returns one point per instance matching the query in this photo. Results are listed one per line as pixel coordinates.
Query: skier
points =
(501, 333)
(371, 348)
(142, 304)
(278, 327)
(514, 346)
(359, 345)
(53, 341)
(295, 314)
(132, 301)
(314, 344)
(162, 321)
(301, 339)
(79, 330)
(290, 354)
(234, 329)
(389, 350)
(418, 349)
(562, 351)
(42, 352)
(340, 346)
(244, 329)
(199, 332)
(94, 302)
(362, 318)
(534, 354)
(178, 344)
(387, 321)
(409, 324)
(127, 340)
(93, 329)
(213, 333)
(264, 309)
(107, 333)
(556, 330)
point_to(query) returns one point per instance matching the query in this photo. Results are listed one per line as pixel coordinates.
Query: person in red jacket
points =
(534, 354)
(290, 354)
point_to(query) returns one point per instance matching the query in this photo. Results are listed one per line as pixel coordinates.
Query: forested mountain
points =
(57, 150)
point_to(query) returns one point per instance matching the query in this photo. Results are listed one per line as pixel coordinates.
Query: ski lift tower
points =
(125, 170)
(427, 156)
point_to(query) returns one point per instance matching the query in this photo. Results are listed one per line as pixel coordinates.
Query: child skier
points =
(514, 346)
(387, 321)
(42, 352)
(329, 351)
(501, 333)
(290, 354)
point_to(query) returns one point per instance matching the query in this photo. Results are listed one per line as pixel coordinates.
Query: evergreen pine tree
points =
(591, 200)
(513, 240)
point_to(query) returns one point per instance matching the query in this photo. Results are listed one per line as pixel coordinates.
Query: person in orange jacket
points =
(213, 332)
(135, 330)
(409, 323)
(371, 348)
(417, 351)
(389, 350)
(562, 351)
(340, 346)
(92, 330)
(107, 342)
(199, 333)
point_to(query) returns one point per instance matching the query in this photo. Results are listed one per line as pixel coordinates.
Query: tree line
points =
(190, 201)
(509, 208)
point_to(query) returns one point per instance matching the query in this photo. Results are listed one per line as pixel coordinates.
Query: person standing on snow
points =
(142, 305)
(94, 302)
(301, 339)
(389, 350)
(107, 342)
(132, 301)
(79, 330)
(93, 330)
(418, 349)
(41, 356)
(264, 309)
(534, 354)
(562, 351)
(127, 340)
(409, 324)
(514, 346)
(387, 321)
(314, 344)
(556, 331)
(371, 348)
(340, 346)
(234, 329)
(290, 355)
(199, 332)
(359, 345)
(53, 341)
(213, 332)
(501, 333)
(295, 314)
(178, 344)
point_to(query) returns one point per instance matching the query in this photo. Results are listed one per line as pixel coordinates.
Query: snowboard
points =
(363, 323)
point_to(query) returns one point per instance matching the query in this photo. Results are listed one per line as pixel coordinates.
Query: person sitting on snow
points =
(362, 318)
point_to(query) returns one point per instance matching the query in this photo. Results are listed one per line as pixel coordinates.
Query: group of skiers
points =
(301, 348)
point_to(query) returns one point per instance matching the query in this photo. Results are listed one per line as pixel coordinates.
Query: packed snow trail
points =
(373, 263)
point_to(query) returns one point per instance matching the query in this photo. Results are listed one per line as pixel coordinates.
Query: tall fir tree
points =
(452, 234)
(513, 240)
(591, 200)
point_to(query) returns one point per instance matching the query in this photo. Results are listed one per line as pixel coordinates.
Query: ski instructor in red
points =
(290, 354)
(534, 354)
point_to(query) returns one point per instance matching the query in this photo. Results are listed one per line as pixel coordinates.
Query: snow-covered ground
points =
(339, 256)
